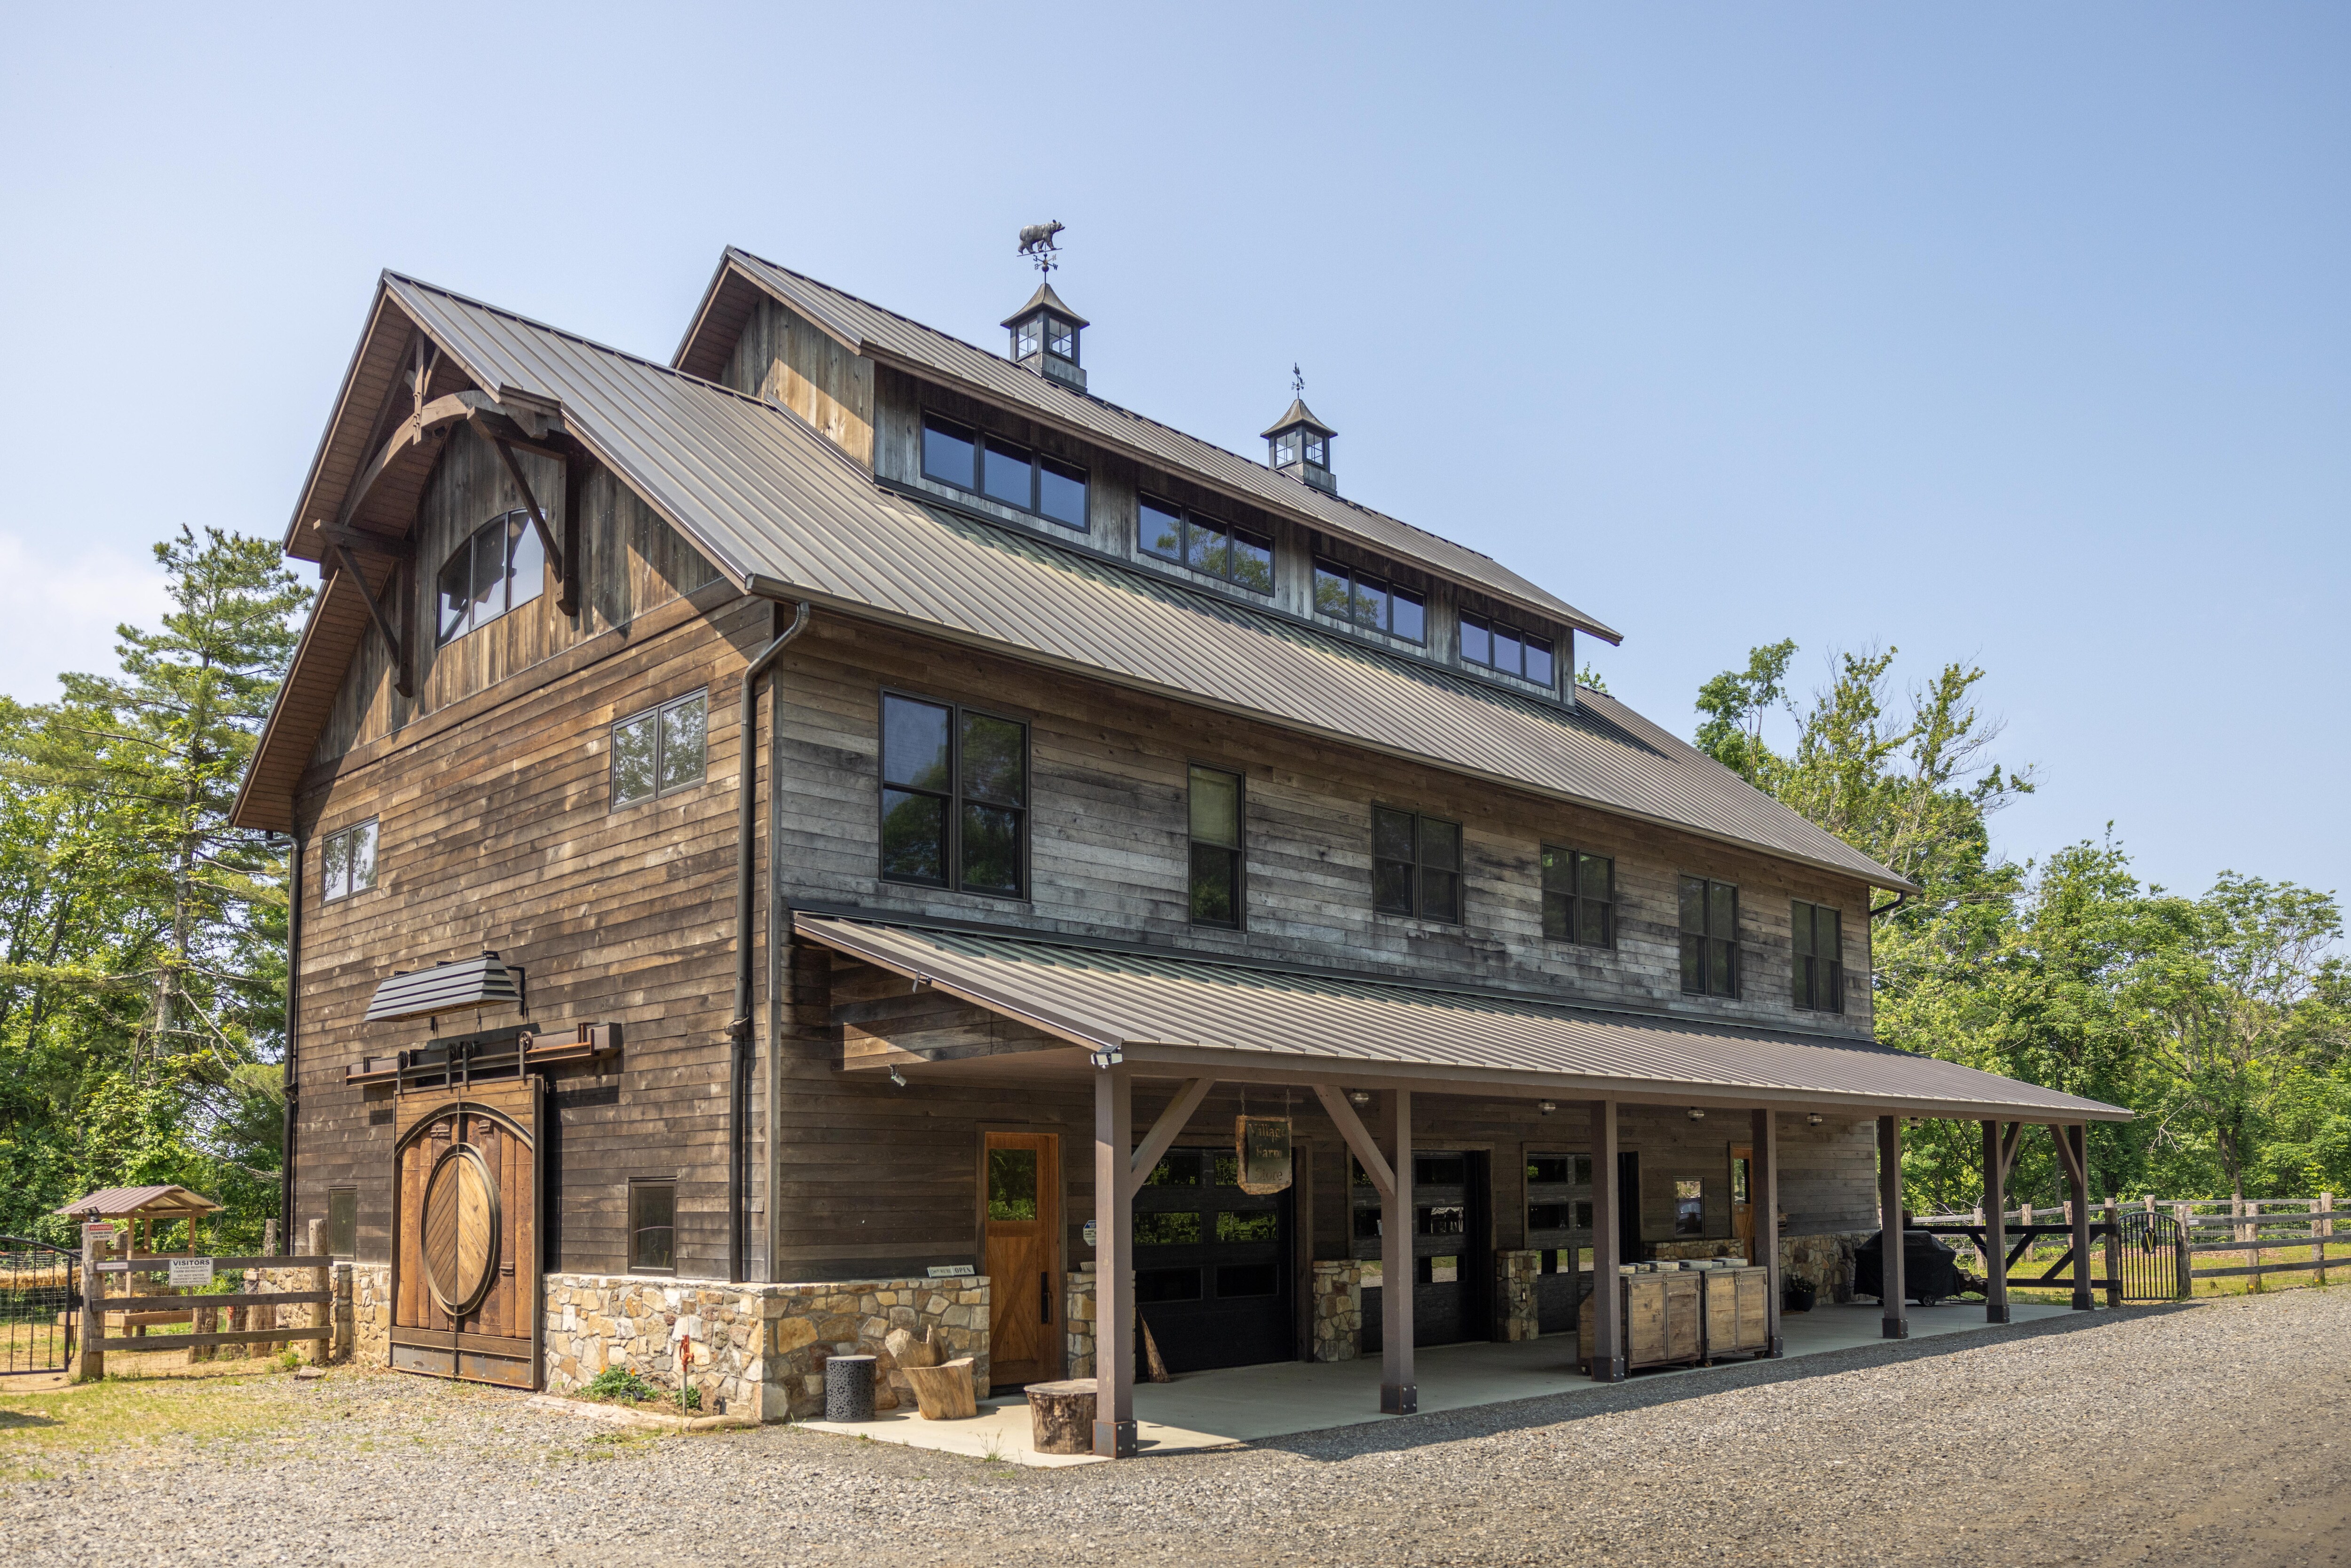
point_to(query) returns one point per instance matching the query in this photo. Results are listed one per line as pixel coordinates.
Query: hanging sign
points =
(1263, 1144)
(192, 1270)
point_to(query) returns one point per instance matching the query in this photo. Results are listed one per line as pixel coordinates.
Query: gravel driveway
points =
(2208, 1433)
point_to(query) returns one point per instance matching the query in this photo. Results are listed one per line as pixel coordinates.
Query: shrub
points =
(690, 1398)
(620, 1383)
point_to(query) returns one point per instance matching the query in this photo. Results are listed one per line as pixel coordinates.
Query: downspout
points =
(293, 1073)
(739, 1033)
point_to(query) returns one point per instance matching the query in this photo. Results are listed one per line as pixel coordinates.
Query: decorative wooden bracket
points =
(546, 539)
(1367, 1153)
(2010, 1138)
(2069, 1158)
(1165, 1132)
(349, 562)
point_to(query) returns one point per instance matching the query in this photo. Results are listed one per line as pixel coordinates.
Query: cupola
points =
(1045, 336)
(1301, 446)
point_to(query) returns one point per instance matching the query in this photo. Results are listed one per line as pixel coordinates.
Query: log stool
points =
(1061, 1417)
(849, 1388)
(944, 1393)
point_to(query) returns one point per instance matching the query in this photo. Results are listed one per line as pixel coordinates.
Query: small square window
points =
(661, 751)
(653, 1227)
(347, 862)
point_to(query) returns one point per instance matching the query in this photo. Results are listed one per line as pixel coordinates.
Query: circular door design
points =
(461, 1229)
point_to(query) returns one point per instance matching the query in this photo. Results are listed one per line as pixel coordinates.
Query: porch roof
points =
(1234, 1019)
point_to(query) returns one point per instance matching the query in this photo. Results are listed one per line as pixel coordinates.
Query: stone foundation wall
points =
(1711, 1246)
(1078, 1319)
(1824, 1262)
(1515, 1315)
(1338, 1327)
(761, 1347)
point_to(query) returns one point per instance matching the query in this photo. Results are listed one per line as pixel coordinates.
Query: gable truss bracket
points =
(558, 550)
(349, 562)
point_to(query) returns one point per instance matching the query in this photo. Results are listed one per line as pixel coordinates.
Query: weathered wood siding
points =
(784, 359)
(631, 562)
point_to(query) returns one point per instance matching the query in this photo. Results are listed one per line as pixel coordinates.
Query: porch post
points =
(1764, 1194)
(1995, 1201)
(1892, 1288)
(1400, 1393)
(2077, 1175)
(1114, 1265)
(1608, 1333)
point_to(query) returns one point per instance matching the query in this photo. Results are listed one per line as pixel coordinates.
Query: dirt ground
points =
(2212, 1433)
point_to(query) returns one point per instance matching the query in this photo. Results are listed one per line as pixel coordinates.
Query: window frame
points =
(953, 796)
(632, 1230)
(1463, 619)
(336, 1195)
(660, 710)
(977, 438)
(1805, 982)
(1186, 517)
(1576, 896)
(373, 827)
(1238, 849)
(518, 524)
(1421, 869)
(1707, 938)
(1389, 589)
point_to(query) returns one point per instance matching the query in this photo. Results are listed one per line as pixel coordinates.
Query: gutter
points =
(292, 1072)
(738, 1031)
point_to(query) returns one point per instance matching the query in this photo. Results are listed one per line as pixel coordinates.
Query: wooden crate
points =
(1662, 1321)
(1737, 1311)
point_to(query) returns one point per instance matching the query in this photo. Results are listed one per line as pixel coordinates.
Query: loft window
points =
(1710, 937)
(499, 567)
(1415, 865)
(1003, 471)
(347, 862)
(342, 1222)
(1206, 546)
(1346, 594)
(955, 797)
(653, 1227)
(1820, 957)
(661, 751)
(1579, 897)
(1495, 646)
(1216, 831)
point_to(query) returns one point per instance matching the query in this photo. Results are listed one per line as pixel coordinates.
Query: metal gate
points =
(40, 1299)
(2149, 1262)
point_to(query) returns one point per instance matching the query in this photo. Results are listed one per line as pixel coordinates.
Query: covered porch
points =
(1131, 1025)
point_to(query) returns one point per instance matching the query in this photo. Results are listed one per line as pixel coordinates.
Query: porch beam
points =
(1399, 1390)
(1608, 1330)
(2074, 1139)
(1165, 1132)
(1358, 1138)
(1892, 1288)
(1764, 1185)
(1996, 1154)
(1113, 1264)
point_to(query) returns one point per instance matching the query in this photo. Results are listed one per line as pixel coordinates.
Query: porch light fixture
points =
(1359, 1096)
(1697, 1112)
(1546, 1106)
(1108, 1059)
(1815, 1119)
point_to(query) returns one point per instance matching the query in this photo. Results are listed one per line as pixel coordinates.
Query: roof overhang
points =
(1179, 1015)
(458, 986)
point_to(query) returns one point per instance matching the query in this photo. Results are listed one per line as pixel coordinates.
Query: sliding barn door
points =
(466, 1243)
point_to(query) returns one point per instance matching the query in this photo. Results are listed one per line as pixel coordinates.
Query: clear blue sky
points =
(2009, 333)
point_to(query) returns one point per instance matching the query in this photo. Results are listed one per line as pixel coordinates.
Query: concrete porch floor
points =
(1238, 1405)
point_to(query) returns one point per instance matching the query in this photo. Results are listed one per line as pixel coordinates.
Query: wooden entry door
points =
(465, 1235)
(1021, 1209)
(1743, 1199)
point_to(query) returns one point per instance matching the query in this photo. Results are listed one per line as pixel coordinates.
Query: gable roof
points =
(782, 513)
(891, 339)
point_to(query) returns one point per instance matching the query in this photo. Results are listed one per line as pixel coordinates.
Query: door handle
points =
(1044, 1298)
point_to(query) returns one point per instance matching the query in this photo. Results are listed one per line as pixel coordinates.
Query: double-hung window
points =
(1188, 539)
(347, 862)
(1415, 865)
(1710, 937)
(499, 567)
(1003, 471)
(1216, 886)
(662, 750)
(1489, 644)
(1579, 897)
(1346, 593)
(955, 797)
(1819, 943)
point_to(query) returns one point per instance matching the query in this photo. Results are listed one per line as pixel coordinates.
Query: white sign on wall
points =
(1089, 1232)
(192, 1270)
(951, 1271)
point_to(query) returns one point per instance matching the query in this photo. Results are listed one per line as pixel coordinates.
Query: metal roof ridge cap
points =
(856, 915)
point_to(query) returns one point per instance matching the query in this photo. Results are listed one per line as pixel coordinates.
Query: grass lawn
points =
(43, 1433)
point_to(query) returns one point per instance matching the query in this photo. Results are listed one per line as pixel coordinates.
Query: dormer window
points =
(1003, 471)
(1496, 646)
(1344, 593)
(499, 567)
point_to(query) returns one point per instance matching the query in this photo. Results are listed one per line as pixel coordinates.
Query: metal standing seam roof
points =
(148, 1202)
(1104, 999)
(451, 987)
(783, 513)
(866, 326)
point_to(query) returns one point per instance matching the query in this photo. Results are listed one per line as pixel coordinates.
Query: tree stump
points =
(1061, 1417)
(944, 1393)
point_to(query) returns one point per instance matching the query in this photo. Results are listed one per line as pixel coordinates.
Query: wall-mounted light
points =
(1546, 1106)
(897, 1078)
(1815, 1119)
(1697, 1112)
(1359, 1096)
(1109, 1058)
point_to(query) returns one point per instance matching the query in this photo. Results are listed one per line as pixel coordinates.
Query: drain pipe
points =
(739, 1032)
(293, 1043)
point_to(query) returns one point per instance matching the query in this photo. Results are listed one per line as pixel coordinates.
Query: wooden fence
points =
(137, 1309)
(2251, 1230)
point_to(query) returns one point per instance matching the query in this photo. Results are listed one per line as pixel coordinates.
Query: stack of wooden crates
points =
(1687, 1314)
